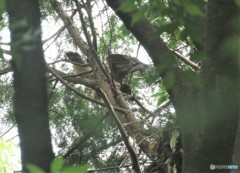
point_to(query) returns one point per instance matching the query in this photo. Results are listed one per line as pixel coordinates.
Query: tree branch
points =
(187, 61)
(88, 9)
(70, 27)
(60, 78)
(146, 34)
(8, 130)
(130, 149)
(81, 16)
(56, 34)
(5, 71)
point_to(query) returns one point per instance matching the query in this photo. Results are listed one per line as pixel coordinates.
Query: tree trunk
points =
(220, 94)
(30, 98)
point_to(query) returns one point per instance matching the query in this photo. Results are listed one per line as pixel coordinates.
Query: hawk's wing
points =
(121, 65)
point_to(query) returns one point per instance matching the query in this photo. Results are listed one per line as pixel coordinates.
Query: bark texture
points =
(30, 97)
(220, 79)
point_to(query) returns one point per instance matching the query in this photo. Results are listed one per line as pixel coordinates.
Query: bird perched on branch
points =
(121, 65)
(80, 67)
(74, 56)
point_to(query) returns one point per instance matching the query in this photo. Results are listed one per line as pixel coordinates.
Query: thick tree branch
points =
(74, 79)
(146, 34)
(70, 27)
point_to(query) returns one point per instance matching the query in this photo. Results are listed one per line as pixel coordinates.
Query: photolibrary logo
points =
(213, 167)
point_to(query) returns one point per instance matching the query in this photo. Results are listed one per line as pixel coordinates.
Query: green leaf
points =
(193, 9)
(139, 14)
(197, 56)
(34, 169)
(231, 46)
(158, 94)
(178, 2)
(57, 165)
(237, 2)
(169, 81)
(191, 77)
(169, 28)
(127, 6)
(162, 99)
(8, 158)
(162, 95)
(2, 8)
(162, 87)
(1, 53)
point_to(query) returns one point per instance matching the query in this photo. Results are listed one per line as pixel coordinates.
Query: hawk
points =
(80, 66)
(121, 65)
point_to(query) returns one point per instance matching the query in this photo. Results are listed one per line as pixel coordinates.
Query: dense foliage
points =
(84, 132)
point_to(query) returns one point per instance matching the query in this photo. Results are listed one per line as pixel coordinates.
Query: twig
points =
(160, 131)
(6, 70)
(8, 130)
(5, 44)
(70, 26)
(72, 78)
(101, 38)
(124, 161)
(109, 168)
(53, 87)
(141, 106)
(184, 59)
(88, 9)
(87, 36)
(12, 138)
(70, 87)
(90, 44)
(139, 45)
(6, 51)
(55, 34)
(130, 149)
